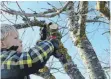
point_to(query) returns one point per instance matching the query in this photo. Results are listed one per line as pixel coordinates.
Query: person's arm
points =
(29, 62)
(37, 57)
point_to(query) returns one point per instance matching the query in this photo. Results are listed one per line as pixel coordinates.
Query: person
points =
(16, 64)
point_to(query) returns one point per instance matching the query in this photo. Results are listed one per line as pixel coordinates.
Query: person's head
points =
(10, 37)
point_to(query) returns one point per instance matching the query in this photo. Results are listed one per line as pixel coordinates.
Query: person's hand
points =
(43, 33)
(51, 33)
(53, 29)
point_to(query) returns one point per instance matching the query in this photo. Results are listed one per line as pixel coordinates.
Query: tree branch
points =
(41, 14)
(96, 21)
(32, 23)
(42, 23)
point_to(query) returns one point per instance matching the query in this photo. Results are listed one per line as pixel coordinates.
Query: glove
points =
(50, 33)
(53, 29)
(43, 33)
(55, 43)
(53, 35)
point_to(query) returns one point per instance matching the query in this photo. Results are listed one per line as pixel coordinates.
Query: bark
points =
(45, 73)
(77, 32)
(69, 66)
(102, 6)
(31, 23)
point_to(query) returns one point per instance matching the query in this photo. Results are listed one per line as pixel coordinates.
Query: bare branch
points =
(26, 18)
(96, 21)
(32, 23)
(7, 18)
(41, 14)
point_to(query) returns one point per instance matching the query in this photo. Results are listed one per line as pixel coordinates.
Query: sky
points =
(99, 41)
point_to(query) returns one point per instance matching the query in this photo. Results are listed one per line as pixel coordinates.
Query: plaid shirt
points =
(34, 58)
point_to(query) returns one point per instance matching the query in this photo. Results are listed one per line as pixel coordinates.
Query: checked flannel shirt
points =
(27, 62)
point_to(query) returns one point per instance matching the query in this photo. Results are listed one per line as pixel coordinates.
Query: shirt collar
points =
(11, 48)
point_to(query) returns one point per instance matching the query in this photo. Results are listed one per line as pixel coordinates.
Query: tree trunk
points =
(103, 7)
(76, 25)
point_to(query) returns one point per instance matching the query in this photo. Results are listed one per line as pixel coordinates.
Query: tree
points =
(77, 32)
(77, 29)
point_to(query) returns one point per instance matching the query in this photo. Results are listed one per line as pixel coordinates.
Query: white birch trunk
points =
(80, 40)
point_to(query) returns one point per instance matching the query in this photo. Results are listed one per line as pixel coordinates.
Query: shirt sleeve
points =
(32, 60)
(37, 57)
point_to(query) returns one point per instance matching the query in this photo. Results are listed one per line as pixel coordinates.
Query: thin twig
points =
(58, 11)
